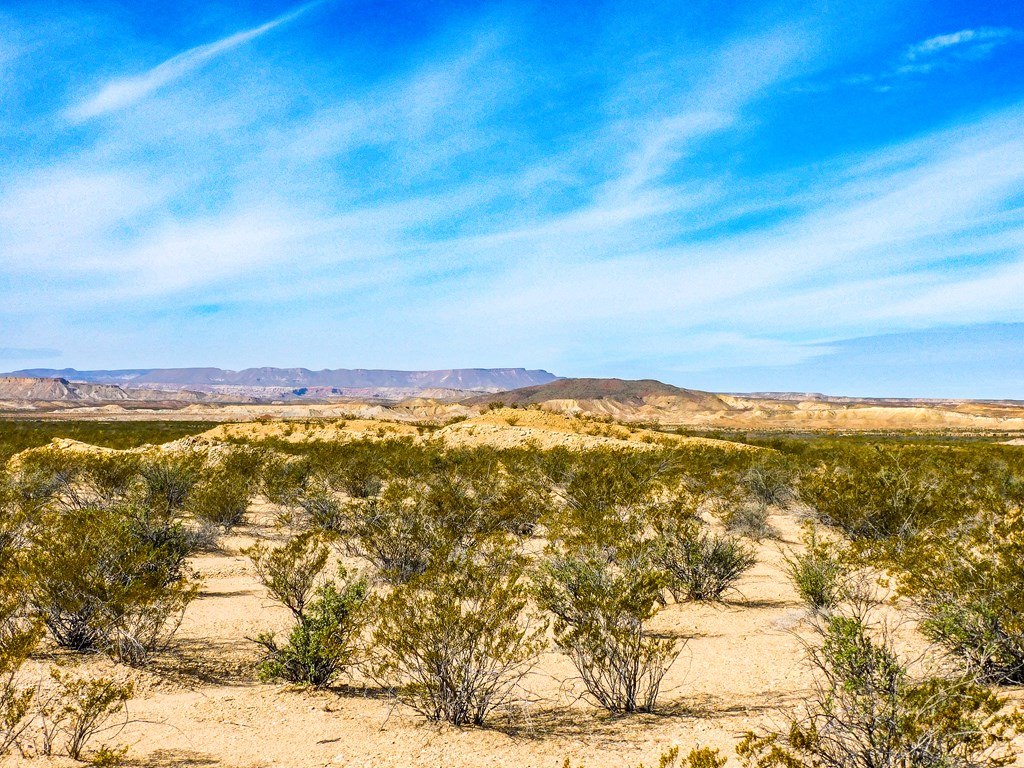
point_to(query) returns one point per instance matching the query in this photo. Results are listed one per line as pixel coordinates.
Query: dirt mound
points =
(501, 428)
(307, 431)
(514, 427)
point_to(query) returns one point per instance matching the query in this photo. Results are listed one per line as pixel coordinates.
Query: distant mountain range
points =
(258, 393)
(217, 379)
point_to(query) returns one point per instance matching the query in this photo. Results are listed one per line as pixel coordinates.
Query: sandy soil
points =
(501, 428)
(200, 704)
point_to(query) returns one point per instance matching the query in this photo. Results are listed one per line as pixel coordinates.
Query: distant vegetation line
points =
(18, 435)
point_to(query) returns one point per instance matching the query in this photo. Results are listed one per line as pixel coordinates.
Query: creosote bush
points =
(223, 494)
(701, 565)
(18, 638)
(770, 480)
(817, 572)
(79, 709)
(698, 757)
(98, 580)
(749, 520)
(867, 711)
(457, 640)
(601, 609)
(967, 581)
(328, 615)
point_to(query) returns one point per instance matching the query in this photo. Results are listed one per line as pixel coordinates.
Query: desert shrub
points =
(605, 495)
(322, 641)
(73, 479)
(749, 520)
(770, 480)
(601, 610)
(878, 493)
(817, 572)
(290, 572)
(698, 757)
(284, 478)
(18, 634)
(18, 638)
(967, 581)
(399, 532)
(79, 709)
(475, 493)
(358, 468)
(97, 582)
(867, 711)
(324, 511)
(410, 525)
(168, 479)
(223, 494)
(458, 639)
(701, 565)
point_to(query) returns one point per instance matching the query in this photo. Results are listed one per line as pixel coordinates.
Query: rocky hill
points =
(60, 390)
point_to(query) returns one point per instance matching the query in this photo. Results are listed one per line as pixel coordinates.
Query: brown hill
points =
(623, 391)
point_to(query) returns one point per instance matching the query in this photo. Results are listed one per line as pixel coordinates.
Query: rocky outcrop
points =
(58, 390)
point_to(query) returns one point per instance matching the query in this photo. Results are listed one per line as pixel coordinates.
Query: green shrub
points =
(967, 581)
(749, 520)
(458, 639)
(223, 494)
(817, 572)
(606, 498)
(98, 582)
(879, 493)
(770, 480)
(322, 641)
(290, 572)
(699, 757)
(867, 711)
(284, 479)
(168, 479)
(18, 635)
(18, 639)
(80, 709)
(601, 610)
(400, 533)
(701, 565)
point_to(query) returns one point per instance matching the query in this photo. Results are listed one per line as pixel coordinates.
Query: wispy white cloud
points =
(123, 92)
(938, 53)
(974, 42)
(414, 213)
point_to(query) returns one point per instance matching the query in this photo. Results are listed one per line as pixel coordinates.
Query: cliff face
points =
(58, 390)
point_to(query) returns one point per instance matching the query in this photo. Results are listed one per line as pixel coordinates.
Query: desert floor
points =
(201, 704)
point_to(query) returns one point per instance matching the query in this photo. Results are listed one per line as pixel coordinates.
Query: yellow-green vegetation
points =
(327, 617)
(465, 558)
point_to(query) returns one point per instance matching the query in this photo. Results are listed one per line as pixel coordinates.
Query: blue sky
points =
(736, 196)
